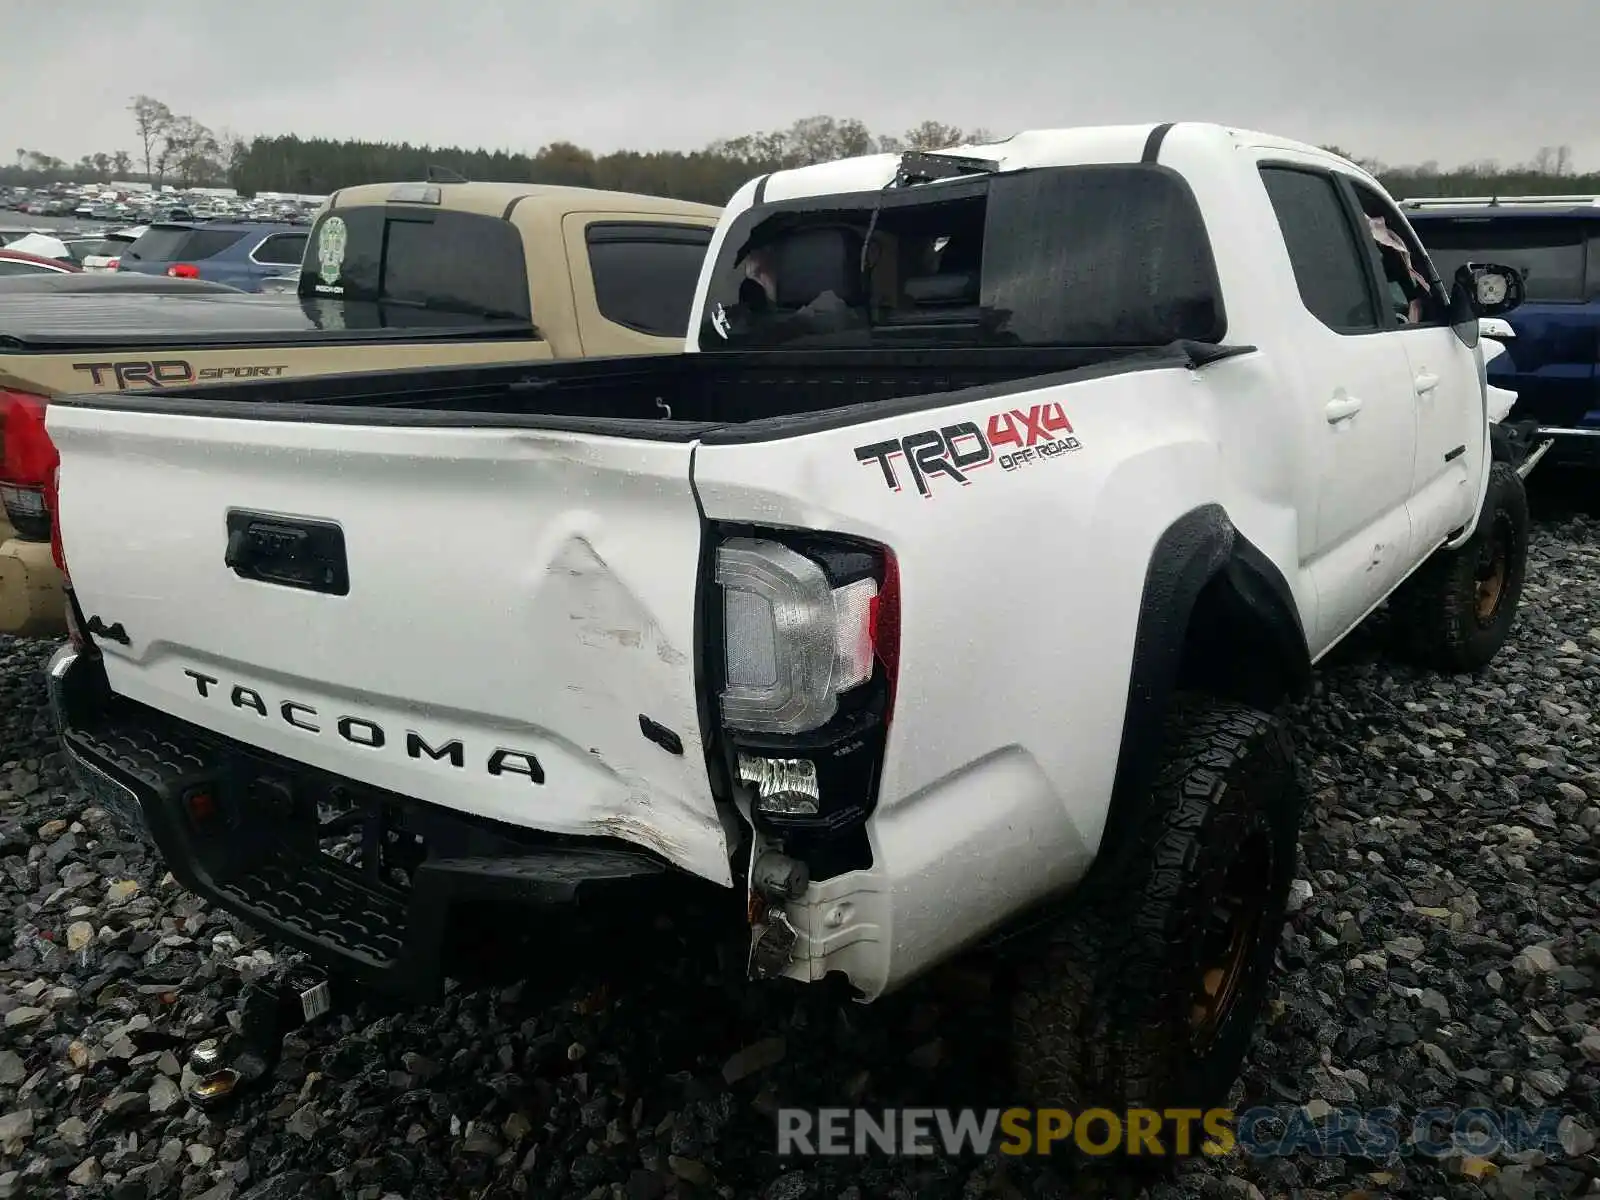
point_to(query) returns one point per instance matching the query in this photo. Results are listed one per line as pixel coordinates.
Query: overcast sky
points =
(1400, 80)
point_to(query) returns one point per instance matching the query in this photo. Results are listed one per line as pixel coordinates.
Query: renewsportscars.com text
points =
(1260, 1132)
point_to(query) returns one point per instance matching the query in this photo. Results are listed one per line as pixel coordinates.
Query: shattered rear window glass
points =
(1068, 256)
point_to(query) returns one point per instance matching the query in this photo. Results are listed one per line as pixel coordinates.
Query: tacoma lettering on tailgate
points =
(359, 731)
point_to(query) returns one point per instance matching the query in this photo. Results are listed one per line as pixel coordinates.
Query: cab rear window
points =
(1102, 255)
(435, 259)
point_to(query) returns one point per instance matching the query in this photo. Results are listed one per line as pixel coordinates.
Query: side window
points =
(1329, 263)
(645, 275)
(281, 249)
(1409, 285)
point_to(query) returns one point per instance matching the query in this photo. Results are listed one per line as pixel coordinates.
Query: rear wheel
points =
(1456, 612)
(1149, 997)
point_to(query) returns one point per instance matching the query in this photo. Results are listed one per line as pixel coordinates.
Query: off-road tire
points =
(1456, 612)
(1103, 1013)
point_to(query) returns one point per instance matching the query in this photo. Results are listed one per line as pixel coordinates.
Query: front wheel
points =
(1456, 612)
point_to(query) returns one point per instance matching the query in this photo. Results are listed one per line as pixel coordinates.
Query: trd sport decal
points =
(170, 371)
(1040, 434)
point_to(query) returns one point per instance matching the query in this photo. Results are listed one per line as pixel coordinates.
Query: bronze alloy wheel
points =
(1494, 568)
(1229, 937)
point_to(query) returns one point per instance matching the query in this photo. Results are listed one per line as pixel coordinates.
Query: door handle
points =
(1426, 382)
(1342, 408)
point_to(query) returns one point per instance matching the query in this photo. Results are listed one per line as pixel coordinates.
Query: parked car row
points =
(100, 202)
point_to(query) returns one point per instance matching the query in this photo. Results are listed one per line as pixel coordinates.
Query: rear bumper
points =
(257, 855)
(32, 603)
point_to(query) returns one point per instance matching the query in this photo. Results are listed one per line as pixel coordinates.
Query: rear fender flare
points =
(1198, 549)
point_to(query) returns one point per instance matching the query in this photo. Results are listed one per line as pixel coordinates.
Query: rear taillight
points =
(113, 264)
(794, 640)
(810, 633)
(184, 271)
(28, 462)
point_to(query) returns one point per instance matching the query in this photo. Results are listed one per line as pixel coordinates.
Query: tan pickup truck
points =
(430, 274)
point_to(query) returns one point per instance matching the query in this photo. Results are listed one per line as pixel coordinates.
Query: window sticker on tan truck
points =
(1038, 434)
(331, 242)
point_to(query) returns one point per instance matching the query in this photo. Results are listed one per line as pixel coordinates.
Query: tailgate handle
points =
(298, 552)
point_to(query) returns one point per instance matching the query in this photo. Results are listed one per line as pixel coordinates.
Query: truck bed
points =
(485, 591)
(667, 397)
(46, 324)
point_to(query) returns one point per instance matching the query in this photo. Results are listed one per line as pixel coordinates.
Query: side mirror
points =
(1493, 290)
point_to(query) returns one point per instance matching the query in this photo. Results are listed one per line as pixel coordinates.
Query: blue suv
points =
(240, 254)
(1552, 358)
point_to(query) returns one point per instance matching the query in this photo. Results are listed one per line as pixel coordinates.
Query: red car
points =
(15, 262)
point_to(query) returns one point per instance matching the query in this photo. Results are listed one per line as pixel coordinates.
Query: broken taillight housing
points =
(809, 629)
(28, 461)
(794, 641)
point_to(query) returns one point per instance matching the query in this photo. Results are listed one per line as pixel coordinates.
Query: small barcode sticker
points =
(316, 1000)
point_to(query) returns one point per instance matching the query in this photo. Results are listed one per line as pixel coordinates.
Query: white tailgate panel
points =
(529, 591)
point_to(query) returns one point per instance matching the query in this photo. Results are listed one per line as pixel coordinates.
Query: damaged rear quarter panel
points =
(1020, 574)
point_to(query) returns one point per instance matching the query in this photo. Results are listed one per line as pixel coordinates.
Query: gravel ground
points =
(1445, 951)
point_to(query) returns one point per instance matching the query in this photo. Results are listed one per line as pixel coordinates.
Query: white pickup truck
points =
(946, 586)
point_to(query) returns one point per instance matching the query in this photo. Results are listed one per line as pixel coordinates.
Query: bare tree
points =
(121, 161)
(152, 119)
(190, 150)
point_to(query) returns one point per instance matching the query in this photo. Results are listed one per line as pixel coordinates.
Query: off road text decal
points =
(1039, 434)
(170, 372)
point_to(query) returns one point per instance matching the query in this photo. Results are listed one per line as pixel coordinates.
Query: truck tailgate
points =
(474, 617)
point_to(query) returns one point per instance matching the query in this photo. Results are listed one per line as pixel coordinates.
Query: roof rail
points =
(1497, 201)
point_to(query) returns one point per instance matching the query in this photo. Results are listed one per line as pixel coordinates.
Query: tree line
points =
(178, 149)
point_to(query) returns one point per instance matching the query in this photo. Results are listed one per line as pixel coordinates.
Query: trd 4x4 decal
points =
(1040, 434)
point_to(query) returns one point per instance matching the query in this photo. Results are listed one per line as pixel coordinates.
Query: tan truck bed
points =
(598, 276)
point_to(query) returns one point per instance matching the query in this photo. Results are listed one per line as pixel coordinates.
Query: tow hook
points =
(223, 1066)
